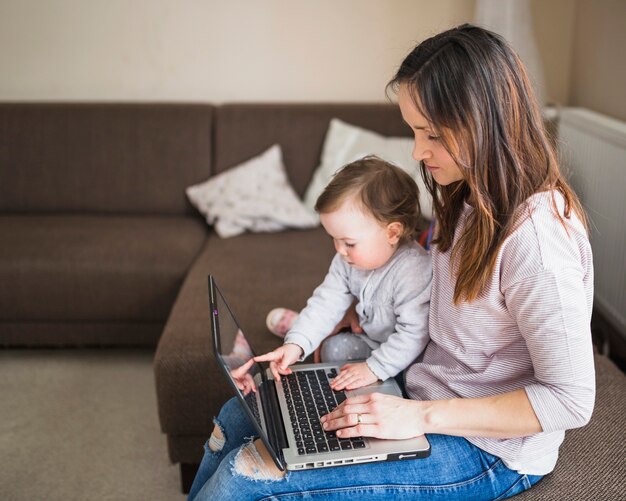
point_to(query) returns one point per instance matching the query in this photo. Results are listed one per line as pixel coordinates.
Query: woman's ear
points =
(394, 232)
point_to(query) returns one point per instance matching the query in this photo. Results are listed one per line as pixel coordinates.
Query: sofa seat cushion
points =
(44, 334)
(94, 268)
(255, 272)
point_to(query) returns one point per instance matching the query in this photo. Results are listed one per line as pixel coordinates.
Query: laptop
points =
(286, 413)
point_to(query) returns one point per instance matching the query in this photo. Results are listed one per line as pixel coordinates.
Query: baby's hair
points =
(384, 190)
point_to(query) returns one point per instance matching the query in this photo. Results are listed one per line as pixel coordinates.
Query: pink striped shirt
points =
(529, 329)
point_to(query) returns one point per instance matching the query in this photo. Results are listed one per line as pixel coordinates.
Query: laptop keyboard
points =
(309, 396)
(252, 404)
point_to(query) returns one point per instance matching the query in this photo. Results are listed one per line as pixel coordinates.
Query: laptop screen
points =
(234, 350)
(232, 343)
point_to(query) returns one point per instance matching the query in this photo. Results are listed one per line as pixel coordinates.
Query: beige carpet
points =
(82, 424)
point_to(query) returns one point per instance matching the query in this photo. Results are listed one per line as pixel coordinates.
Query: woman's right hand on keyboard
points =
(281, 358)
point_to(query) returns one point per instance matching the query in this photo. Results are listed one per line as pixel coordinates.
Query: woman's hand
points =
(376, 415)
(281, 358)
(353, 376)
(243, 379)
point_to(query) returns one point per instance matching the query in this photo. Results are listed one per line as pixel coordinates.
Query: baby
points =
(370, 209)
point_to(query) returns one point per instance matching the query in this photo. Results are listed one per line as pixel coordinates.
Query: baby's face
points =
(359, 238)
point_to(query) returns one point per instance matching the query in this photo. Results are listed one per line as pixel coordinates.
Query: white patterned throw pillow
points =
(254, 196)
(346, 143)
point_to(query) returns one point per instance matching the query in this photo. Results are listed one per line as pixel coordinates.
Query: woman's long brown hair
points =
(473, 89)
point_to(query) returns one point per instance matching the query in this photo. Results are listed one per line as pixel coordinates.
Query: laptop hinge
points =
(275, 428)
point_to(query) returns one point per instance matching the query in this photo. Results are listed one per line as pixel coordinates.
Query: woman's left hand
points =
(376, 415)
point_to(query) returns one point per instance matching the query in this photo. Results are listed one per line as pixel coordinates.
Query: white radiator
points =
(592, 149)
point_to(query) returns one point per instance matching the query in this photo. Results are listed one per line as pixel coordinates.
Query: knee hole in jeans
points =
(250, 463)
(217, 439)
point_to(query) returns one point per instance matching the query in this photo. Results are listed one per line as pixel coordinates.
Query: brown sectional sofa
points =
(97, 234)
(98, 243)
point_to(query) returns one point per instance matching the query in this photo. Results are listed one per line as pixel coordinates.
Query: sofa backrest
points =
(111, 158)
(245, 130)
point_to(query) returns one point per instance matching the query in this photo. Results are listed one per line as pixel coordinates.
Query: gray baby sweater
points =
(393, 303)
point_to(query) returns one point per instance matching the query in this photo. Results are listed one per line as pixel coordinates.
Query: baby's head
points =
(369, 208)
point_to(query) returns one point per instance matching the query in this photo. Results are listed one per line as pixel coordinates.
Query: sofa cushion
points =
(255, 196)
(346, 143)
(255, 272)
(112, 158)
(26, 334)
(94, 268)
(245, 130)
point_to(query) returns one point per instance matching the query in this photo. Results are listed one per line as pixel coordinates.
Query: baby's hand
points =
(281, 358)
(353, 376)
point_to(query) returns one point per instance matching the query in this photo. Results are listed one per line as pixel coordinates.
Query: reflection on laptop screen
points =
(234, 349)
(234, 346)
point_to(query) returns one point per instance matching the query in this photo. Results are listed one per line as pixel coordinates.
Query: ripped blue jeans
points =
(455, 470)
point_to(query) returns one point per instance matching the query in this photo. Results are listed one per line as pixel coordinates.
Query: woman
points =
(509, 366)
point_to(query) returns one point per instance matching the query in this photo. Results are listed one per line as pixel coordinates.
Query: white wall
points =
(235, 50)
(211, 50)
(598, 69)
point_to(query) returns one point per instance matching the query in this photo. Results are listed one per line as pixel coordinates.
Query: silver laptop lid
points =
(232, 350)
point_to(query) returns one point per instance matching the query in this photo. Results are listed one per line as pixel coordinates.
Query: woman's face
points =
(428, 147)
